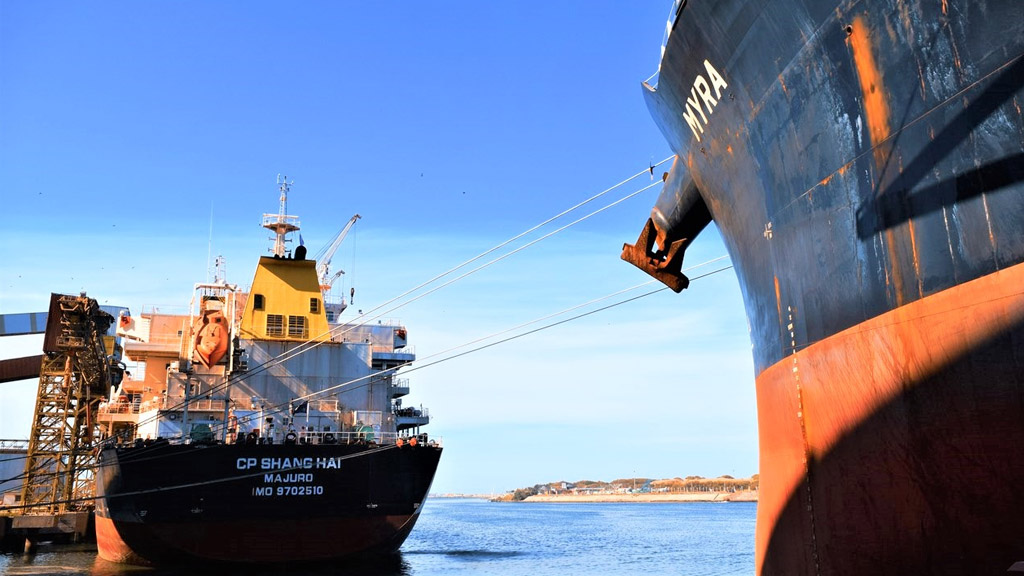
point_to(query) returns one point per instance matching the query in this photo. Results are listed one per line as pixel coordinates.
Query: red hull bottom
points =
(286, 540)
(893, 446)
(111, 547)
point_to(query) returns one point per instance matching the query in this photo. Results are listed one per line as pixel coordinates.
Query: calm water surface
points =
(478, 537)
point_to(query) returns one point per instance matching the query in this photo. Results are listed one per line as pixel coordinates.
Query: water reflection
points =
(82, 560)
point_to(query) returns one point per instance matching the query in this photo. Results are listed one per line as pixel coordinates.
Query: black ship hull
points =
(864, 162)
(258, 503)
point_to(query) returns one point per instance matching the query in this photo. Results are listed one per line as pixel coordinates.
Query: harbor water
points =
(469, 536)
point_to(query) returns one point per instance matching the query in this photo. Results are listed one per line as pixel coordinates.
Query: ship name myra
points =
(701, 98)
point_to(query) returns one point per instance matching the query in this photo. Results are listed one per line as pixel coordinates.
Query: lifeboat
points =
(211, 337)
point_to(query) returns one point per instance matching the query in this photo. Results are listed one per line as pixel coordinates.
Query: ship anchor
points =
(666, 266)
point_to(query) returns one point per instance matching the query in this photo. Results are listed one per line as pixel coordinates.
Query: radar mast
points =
(281, 223)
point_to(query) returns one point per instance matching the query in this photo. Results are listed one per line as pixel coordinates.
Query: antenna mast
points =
(281, 223)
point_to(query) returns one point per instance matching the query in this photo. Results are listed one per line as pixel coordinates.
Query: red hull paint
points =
(111, 547)
(899, 436)
(285, 540)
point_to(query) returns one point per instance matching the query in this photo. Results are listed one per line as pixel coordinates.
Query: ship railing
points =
(399, 386)
(673, 15)
(355, 437)
(393, 322)
(271, 219)
(351, 437)
(652, 80)
(120, 407)
(134, 407)
(347, 325)
(386, 349)
(324, 405)
(166, 340)
(172, 310)
(205, 404)
(10, 444)
(421, 438)
(412, 412)
(134, 374)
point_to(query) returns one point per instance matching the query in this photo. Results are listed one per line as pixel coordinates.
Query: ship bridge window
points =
(275, 325)
(257, 301)
(314, 305)
(297, 327)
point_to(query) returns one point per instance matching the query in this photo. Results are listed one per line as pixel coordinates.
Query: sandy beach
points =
(744, 496)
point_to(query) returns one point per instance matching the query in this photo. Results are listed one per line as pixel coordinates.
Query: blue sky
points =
(450, 127)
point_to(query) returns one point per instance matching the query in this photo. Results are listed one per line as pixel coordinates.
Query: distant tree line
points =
(520, 494)
(700, 484)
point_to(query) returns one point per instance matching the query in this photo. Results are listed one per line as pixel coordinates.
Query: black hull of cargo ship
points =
(864, 162)
(166, 503)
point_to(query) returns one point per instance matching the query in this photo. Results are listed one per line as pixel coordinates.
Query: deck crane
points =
(323, 264)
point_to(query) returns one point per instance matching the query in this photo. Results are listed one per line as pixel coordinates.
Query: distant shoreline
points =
(648, 497)
(639, 497)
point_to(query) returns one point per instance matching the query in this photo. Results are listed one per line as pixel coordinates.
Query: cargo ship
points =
(864, 164)
(259, 427)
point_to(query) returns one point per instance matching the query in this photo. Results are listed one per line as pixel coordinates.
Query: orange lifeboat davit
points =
(211, 337)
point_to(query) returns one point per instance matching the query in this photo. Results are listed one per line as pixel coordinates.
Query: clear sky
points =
(138, 138)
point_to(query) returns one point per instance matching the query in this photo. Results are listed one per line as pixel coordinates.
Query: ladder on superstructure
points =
(74, 376)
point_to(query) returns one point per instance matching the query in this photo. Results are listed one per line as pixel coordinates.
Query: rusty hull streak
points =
(876, 113)
(876, 109)
(778, 302)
